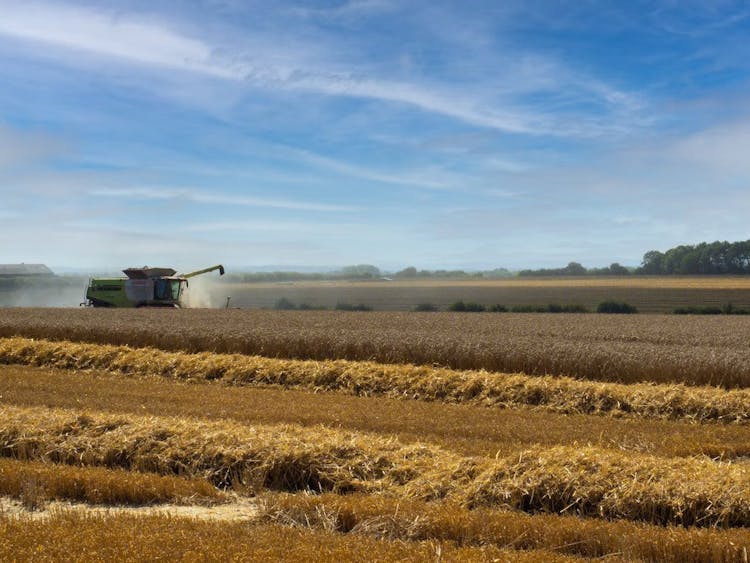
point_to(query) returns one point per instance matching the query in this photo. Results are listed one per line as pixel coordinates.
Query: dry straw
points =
(83, 538)
(35, 482)
(569, 480)
(558, 394)
(399, 519)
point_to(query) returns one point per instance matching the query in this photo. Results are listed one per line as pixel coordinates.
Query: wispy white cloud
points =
(197, 196)
(261, 62)
(108, 34)
(680, 18)
(421, 178)
(426, 99)
(264, 227)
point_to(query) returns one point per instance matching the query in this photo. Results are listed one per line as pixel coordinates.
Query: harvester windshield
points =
(166, 289)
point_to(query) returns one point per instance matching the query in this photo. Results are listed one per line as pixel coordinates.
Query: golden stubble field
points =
(348, 436)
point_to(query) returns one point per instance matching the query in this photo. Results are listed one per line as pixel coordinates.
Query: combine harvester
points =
(144, 287)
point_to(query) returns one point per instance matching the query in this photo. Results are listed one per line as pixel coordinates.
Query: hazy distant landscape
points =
(647, 294)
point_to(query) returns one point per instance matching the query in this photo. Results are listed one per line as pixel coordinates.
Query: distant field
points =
(648, 294)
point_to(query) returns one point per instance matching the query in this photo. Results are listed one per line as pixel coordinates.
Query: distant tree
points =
(617, 270)
(575, 269)
(410, 272)
(572, 269)
(718, 257)
(690, 263)
(653, 263)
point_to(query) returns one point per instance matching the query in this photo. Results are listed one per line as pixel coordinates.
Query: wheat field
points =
(618, 348)
(147, 432)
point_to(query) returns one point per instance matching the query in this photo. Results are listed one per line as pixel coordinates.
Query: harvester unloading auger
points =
(143, 287)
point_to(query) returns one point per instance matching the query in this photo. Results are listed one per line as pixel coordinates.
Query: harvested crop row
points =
(36, 482)
(558, 394)
(665, 349)
(588, 481)
(418, 521)
(464, 429)
(79, 537)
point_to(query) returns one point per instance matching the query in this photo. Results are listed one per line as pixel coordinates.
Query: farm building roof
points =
(25, 270)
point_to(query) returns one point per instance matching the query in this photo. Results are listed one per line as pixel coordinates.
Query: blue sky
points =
(440, 134)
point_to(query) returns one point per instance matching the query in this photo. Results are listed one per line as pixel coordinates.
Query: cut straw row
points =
(588, 481)
(35, 482)
(409, 520)
(558, 394)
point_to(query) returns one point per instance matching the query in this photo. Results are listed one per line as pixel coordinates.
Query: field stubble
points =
(79, 537)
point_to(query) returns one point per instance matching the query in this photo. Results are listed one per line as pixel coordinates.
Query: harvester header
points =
(143, 287)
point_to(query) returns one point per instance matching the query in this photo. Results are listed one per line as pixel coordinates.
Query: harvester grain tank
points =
(143, 287)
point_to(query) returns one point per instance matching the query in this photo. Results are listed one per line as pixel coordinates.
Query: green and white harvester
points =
(143, 287)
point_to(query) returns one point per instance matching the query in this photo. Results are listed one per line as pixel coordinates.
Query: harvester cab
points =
(143, 287)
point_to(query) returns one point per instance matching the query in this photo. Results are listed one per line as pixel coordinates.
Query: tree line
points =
(720, 257)
(705, 258)
(576, 269)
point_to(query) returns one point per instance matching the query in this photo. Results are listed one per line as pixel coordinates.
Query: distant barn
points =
(16, 270)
